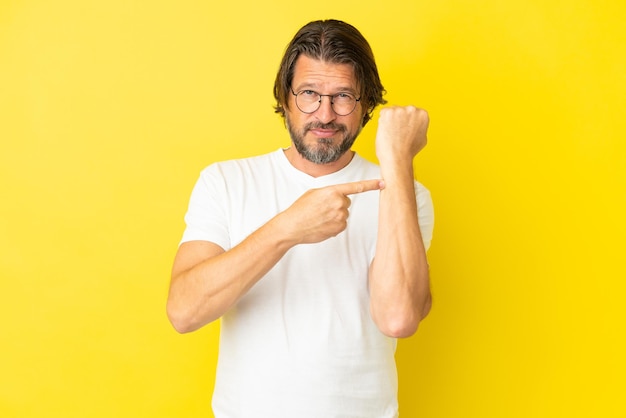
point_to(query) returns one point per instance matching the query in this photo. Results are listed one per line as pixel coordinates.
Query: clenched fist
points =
(401, 134)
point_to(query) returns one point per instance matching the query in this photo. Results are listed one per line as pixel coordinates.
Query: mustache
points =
(319, 125)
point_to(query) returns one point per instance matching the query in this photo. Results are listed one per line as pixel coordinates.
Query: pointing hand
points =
(322, 213)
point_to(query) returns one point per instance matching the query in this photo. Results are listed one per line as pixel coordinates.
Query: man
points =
(313, 258)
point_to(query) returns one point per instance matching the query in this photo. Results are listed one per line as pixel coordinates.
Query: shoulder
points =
(241, 166)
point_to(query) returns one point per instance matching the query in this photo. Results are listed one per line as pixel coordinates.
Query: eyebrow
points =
(314, 87)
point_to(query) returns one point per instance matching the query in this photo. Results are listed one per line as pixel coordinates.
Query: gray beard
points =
(324, 151)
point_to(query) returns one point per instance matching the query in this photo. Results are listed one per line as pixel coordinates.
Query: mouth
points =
(325, 130)
(323, 133)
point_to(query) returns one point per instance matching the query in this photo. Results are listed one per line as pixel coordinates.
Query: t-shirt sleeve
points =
(206, 218)
(425, 213)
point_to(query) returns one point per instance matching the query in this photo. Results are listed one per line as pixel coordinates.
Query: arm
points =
(207, 281)
(399, 278)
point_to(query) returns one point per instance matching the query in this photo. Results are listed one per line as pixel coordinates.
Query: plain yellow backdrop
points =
(110, 109)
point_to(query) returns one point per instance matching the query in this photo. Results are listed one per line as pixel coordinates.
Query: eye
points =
(309, 93)
(343, 97)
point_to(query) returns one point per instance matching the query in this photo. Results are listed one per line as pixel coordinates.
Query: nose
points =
(325, 113)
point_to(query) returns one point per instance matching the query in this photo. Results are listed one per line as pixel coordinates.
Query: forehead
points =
(313, 73)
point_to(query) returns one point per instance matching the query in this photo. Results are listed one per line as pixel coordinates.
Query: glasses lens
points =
(343, 104)
(308, 101)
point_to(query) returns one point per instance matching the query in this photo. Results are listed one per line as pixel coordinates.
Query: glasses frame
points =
(330, 96)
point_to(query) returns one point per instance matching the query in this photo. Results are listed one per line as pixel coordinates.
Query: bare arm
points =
(399, 278)
(206, 280)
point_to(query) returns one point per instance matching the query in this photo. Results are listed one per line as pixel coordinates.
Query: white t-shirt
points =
(301, 343)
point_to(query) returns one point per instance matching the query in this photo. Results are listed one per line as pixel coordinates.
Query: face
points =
(322, 136)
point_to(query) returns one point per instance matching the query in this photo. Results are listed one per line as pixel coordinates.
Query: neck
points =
(313, 169)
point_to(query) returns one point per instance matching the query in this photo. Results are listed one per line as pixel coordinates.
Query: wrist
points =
(401, 168)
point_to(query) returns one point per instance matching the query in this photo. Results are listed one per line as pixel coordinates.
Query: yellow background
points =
(109, 110)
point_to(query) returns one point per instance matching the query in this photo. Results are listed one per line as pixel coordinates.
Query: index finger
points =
(358, 186)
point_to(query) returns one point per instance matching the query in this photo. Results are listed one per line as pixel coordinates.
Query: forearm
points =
(211, 285)
(206, 281)
(399, 278)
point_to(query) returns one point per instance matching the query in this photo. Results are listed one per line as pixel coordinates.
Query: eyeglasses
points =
(308, 101)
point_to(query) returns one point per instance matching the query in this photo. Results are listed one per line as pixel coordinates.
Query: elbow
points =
(181, 328)
(403, 324)
(399, 328)
(181, 322)
(185, 319)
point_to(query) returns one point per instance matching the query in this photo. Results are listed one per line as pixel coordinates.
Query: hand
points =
(401, 133)
(322, 213)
